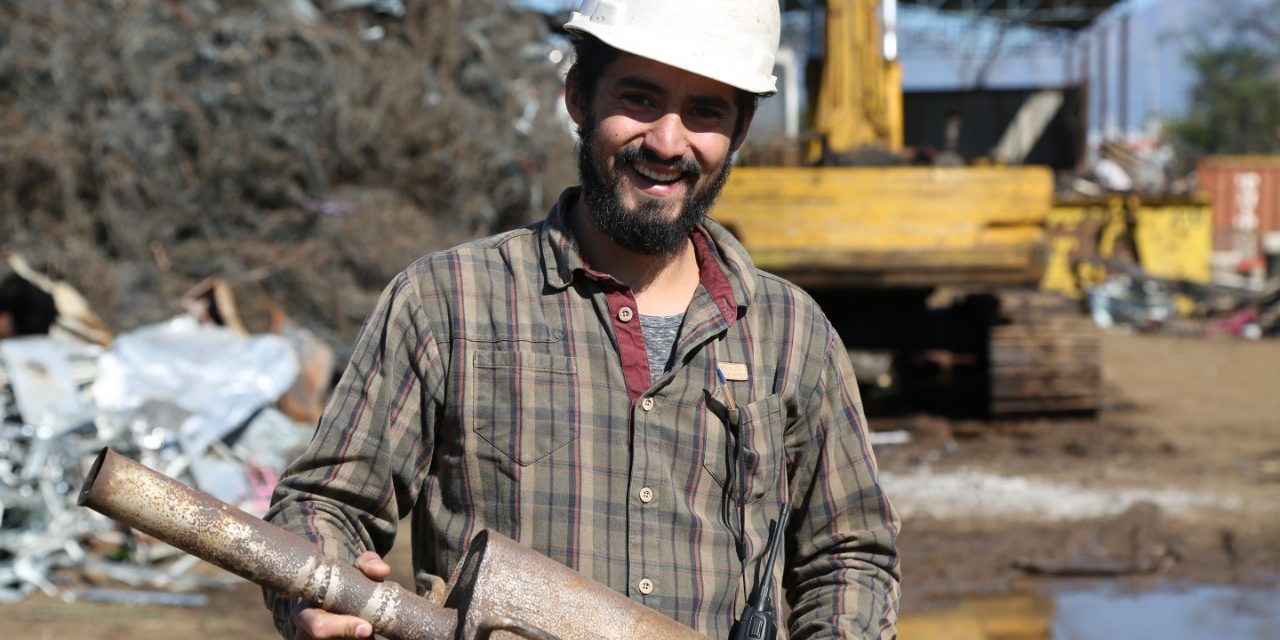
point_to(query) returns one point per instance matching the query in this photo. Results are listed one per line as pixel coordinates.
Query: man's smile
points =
(668, 176)
(653, 183)
(656, 178)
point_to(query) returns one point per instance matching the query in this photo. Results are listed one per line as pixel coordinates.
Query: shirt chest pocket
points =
(761, 426)
(519, 402)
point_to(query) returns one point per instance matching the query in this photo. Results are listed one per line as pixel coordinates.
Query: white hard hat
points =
(731, 41)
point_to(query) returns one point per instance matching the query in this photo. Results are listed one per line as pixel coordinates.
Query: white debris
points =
(194, 401)
(885, 438)
(47, 374)
(218, 377)
(964, 493)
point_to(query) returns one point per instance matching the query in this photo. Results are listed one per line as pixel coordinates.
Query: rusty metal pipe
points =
(501, 589)
(499, 577)
(251, 548)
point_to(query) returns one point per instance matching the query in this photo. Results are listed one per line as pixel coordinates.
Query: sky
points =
(546, 5)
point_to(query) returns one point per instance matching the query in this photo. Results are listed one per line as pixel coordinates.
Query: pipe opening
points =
(92, 477)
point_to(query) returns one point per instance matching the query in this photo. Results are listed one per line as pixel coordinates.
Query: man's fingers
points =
(318, 624)
(371, 564)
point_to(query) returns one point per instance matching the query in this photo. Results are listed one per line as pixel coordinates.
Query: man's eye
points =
(637, 99)
(708, 113)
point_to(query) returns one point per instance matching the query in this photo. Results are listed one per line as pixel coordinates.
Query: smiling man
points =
(616, 386)
(655, 144)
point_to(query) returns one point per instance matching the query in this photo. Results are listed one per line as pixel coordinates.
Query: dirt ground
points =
(1178, 481)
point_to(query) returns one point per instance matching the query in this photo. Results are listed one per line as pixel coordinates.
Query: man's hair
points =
(591, 56)
(32, 309)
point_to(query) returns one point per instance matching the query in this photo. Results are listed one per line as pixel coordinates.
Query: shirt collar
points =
(560, 256)
(726, 269)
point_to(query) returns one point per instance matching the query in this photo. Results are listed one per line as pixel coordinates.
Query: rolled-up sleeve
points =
(843, 571)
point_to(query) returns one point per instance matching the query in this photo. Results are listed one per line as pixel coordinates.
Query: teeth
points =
(654, 175)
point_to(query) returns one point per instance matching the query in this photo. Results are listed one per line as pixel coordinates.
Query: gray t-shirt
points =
(660, 340)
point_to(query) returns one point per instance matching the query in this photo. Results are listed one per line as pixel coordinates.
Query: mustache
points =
(631, 155)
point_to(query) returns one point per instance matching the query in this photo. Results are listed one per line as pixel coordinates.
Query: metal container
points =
(1241, 188)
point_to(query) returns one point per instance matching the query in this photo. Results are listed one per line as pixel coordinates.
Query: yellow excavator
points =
(928, 272)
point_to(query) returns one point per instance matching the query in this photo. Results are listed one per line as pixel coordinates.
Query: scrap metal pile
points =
(308, 150)
(195, 400)
(1134, 299)
(301, 152)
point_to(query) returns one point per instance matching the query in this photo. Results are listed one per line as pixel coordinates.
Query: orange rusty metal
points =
(1236, 182)
(501, 590)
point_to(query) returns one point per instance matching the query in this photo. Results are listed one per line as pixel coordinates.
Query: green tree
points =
(1235, 103)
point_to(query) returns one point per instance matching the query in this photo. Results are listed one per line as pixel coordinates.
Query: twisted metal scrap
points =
(161, 142)
(146, 144)
(42, 531)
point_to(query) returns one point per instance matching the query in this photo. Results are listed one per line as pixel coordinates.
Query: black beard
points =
(642, 229)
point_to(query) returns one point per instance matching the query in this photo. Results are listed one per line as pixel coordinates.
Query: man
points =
(616, 386)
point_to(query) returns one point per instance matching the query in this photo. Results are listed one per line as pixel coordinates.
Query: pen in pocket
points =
(738, 481)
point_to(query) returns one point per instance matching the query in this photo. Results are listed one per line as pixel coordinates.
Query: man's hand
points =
(317, 624)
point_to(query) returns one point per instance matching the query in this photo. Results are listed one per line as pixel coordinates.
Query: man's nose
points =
(667, 137)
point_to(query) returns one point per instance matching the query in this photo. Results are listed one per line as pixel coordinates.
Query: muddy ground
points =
(1177, 482)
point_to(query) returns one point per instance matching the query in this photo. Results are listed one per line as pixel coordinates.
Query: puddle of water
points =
(1106, 613)
(1168, 614)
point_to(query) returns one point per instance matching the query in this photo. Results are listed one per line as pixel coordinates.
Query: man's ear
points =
(740, 136)
(574, 100)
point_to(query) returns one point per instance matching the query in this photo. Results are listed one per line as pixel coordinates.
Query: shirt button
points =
(625, 314)
(646, 495)
(647, 404)
(646, 586)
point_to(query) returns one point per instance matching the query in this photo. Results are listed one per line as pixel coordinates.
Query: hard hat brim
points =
(690, 57)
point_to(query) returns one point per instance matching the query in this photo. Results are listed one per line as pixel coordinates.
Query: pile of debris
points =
(303, 152)
(202, 401)
(1136, 300)
(308, 150)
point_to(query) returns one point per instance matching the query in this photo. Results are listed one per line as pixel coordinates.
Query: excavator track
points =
(1043, 358)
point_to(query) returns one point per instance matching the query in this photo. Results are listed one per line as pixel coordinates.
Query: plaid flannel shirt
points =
(503, 384)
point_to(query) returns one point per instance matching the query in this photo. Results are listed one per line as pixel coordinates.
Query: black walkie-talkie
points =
(759, 620)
